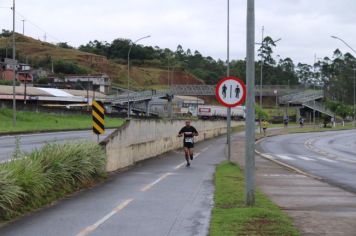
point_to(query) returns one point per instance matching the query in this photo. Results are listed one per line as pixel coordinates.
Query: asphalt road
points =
(329, 155)
(157, 197)
(29, 142)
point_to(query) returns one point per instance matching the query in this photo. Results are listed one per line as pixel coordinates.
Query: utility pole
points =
(14, 67)
(228, 117)
(23, 26)
(250, 106)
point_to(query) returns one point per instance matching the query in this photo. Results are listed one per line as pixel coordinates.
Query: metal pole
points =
(228, 115)
(14, 67)
(23, 27)
(25, 93)
(314, 92)
(354, 95)
(88, 103)
(128, 73)
(261, 80)
(250, 106)
(128, 81)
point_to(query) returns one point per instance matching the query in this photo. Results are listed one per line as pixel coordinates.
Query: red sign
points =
(231, 91)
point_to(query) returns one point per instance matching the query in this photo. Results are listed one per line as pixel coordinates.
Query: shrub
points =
(44, 175)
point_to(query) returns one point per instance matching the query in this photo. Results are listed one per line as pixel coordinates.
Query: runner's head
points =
(187, 123)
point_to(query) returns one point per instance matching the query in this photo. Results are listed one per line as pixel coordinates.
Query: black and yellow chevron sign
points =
(98, 117)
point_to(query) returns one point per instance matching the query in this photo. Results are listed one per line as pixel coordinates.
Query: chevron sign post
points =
(98, 113)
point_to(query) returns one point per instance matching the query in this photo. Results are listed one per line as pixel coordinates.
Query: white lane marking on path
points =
(326, 159)
(92, 227)
(204, 149)
(345, 160)
(183, 163)
(286, 157)
(305, 158)
(179, 166)
(148, 186)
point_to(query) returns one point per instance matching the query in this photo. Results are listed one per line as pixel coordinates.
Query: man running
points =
(188, 132)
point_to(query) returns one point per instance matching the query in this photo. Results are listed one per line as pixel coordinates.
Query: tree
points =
(64, 45)
(260, 113)
(304, 73)
(266, 51)
(6, 33)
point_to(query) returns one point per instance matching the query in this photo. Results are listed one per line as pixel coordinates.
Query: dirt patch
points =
(260, 227)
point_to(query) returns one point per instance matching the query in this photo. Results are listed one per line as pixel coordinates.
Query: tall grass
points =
(44, 175)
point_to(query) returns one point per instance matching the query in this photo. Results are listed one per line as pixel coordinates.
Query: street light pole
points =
(128, 73)
(14, 67)
(343, 41)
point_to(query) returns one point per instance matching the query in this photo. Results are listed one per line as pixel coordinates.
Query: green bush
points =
(8, 82)
(44, 175)
(67, 67)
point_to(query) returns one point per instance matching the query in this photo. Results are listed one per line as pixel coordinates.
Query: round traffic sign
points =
(231, 91)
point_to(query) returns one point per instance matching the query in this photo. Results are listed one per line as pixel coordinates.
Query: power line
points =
(38, 27)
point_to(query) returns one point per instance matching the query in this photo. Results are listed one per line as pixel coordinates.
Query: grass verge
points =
(38, 178)
(38, 121)
(231, 216)
(238, 128)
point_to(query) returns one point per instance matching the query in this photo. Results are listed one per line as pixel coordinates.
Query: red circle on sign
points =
(240, 82)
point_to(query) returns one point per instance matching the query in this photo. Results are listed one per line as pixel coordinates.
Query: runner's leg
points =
(186, 152)
(191, 153)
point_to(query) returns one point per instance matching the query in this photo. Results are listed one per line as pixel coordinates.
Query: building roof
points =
(48, 93)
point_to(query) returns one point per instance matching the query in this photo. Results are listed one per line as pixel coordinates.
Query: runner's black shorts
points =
(188, 145)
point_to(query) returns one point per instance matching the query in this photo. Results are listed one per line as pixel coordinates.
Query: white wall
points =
(142, 139)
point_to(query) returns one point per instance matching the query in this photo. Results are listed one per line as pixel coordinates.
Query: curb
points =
(292, 168)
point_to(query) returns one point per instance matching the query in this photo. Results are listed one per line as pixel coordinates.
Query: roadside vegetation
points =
(39, 121)
(231, 216)
(32, 180)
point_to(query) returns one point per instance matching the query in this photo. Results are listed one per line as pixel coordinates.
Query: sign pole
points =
(14, 67)
(228, 117)
(230, 92)
(250, 106)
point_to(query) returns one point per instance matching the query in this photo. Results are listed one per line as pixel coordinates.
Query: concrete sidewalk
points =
(316, 208)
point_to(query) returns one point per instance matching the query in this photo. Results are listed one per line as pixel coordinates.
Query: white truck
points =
(210, 112)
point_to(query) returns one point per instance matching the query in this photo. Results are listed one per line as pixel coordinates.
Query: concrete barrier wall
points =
(138, 140)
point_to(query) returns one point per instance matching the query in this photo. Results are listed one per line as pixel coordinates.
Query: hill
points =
(68, 60)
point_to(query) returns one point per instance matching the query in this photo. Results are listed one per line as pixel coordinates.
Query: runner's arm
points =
(195, 132)
(180, 133)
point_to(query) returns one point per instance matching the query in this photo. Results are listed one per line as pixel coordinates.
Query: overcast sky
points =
(305, 26)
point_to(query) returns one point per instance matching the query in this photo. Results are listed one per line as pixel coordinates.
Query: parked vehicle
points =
(210, 112)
